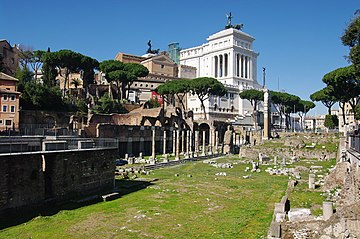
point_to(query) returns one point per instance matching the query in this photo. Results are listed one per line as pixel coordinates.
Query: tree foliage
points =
(106, 105)
(173, 88)
(325, 97)
(255, 97)
(285, 104)
(204, 87)
(122, 74)
(351, 38)
(331, 121)
(343, 84)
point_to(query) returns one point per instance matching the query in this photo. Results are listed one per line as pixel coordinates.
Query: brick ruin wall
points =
(31, 178)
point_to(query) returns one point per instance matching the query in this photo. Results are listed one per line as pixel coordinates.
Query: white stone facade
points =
(227, 56)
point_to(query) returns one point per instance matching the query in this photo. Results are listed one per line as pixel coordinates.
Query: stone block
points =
(327, 210)
(280, 217)
(279, 207)
(111, 196)
(54, 145)
(85, 144)
(275, 230)
(298, 214)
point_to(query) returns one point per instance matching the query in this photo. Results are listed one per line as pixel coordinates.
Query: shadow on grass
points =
(16, 216)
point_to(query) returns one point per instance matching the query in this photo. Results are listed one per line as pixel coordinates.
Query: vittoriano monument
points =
(150, 51)
(229, 25)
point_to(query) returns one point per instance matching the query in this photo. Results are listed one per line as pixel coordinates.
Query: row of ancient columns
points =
(186, 142)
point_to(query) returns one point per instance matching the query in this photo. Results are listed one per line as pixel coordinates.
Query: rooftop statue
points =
(229, 25)
(150, 51)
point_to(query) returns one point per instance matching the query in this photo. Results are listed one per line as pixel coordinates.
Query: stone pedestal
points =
(311, 181)
(275, 230)
(327, 210)
(166, 158)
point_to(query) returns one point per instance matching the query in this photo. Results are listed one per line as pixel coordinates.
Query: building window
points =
(5, 97)
(12, 97)
(146, 85)
(231, 95)
(1, 122)
(12, 108)
(162, 66)
(135, 84)
(8, 122)
(152, 86)
(4, 108)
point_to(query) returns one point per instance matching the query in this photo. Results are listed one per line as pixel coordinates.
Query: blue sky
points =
(298, 41)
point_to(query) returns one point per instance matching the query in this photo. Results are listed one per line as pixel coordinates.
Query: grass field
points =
(200, 206)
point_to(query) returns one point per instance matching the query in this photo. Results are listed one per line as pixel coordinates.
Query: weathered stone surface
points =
(30, 178)
(298, 214)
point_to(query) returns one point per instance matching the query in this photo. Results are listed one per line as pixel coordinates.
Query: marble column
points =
(142, 148)
(191, 143)
(196, 143)
(164, 143)
(129, 140)
(174, 143)
(267, 116)
(203, 142)
(153, 155)
(210, 146)
(187, 143)
(182, 142)
(177, 153)
(216, 141)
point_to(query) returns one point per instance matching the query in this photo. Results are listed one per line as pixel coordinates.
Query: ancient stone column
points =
(177, 153)
(174, 143)
(129, 141)
(191, 143)
(216, 141)
(164, 143)
(187, 143)
(311, 181)
(211, 142)
(267, 117)
(327, 210)
(153, 155)
(182, 142)
(203, 143)
(196, 143)
(141, 139)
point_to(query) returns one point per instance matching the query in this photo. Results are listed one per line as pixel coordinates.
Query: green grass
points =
(201, 206)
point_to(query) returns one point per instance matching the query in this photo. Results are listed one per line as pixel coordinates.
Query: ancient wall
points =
(30, 178)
